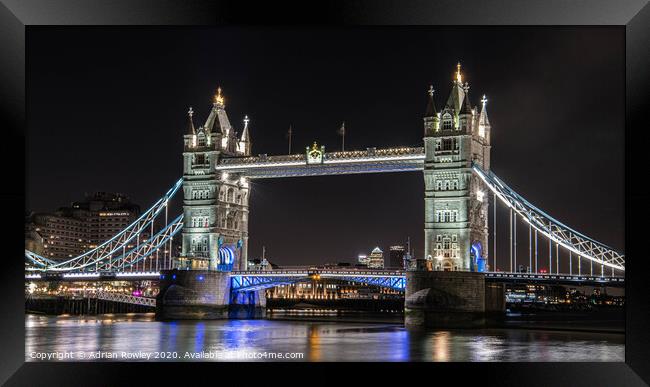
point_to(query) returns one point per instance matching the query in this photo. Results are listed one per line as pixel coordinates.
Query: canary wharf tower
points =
(215, 204)
(456, 205)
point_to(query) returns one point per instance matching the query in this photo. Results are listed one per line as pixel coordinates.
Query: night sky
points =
(107, 111)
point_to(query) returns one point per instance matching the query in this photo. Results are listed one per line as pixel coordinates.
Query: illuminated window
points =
(447, 122)
(446, 243)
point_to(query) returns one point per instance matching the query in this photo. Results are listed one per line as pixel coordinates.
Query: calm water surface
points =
(138, 334)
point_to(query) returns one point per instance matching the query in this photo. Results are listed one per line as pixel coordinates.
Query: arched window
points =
(447, 122)
(230, 195)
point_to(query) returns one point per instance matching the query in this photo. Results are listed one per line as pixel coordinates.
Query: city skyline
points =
(396, 212)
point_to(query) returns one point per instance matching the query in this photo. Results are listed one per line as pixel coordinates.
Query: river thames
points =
(138, 337)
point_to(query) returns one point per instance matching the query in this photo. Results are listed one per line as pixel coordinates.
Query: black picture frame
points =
(17, 15)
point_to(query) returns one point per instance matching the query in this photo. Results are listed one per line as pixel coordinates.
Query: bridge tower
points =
(456, 201)
(215, 205)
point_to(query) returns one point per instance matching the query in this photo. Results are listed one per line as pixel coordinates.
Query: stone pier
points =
(204, 295)
(450, 299)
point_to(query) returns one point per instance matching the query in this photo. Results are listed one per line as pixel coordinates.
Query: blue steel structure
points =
(247, 281)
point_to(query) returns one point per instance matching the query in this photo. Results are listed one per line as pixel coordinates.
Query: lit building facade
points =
(456, 202)
(376, 259)
(56, 236)
(70, 231)
(362, 260)
(215, 205)
(105, 213)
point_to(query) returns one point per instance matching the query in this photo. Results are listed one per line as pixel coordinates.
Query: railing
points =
(91, 260)
(369, 153)
(551, 228)
(125, 298)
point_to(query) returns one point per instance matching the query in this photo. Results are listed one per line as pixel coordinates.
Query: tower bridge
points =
(217, 168)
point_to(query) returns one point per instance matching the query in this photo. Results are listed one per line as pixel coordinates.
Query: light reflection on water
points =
(319, 341)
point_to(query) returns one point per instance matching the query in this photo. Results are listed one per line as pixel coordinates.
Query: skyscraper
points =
(396, 257)
(376, 259)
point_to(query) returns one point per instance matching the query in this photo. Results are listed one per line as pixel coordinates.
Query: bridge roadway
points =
(255, 280)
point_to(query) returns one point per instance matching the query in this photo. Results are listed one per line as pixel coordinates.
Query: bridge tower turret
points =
(215, 205)
(456, 202)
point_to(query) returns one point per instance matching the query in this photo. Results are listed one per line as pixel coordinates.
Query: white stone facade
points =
(456, 201)
(215, 204)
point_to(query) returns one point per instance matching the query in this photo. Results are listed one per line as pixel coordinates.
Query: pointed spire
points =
(466, 108)
(218, 99)
(244, 145)
(191, 129)
(483, 118)
(431, 106)
(457, 95)
(245, 136)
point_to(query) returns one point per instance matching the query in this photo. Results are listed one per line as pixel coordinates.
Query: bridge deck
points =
(370, 160)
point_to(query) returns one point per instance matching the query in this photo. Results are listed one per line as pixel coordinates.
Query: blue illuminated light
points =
(200, 278)
(174, 276)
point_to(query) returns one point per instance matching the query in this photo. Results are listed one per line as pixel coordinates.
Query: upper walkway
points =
(331, 163)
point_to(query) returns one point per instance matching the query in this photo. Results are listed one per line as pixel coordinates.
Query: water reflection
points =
(313, 342)
(440, 346)
(318, 341)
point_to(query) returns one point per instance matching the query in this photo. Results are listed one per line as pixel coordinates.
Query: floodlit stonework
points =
(456, 201)
(215, 204)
